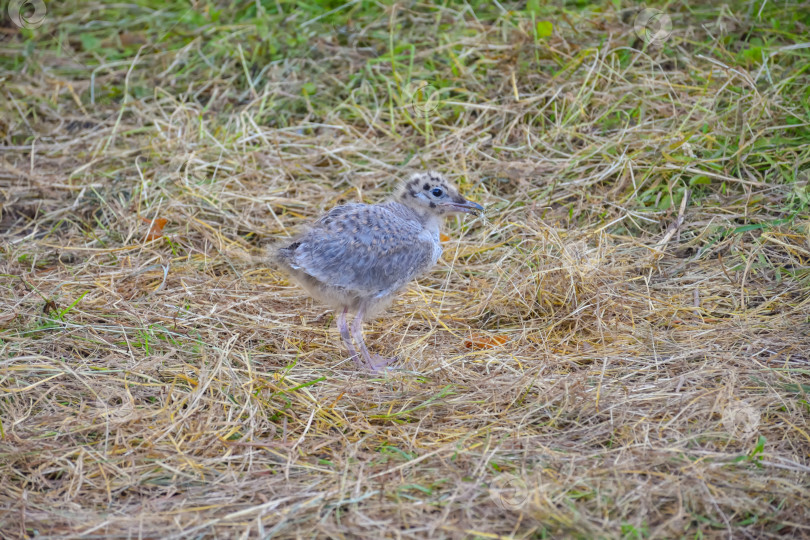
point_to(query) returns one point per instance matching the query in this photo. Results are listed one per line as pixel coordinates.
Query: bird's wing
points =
(363, 248)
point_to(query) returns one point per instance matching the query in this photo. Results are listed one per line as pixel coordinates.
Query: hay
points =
(652, 380)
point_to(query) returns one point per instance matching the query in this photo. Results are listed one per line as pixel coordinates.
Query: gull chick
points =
(358, 256)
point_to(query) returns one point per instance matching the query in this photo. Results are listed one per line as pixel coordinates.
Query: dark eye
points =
(437, 192)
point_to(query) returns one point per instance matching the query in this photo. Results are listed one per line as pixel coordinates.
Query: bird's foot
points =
(357, 360)
(378, 363)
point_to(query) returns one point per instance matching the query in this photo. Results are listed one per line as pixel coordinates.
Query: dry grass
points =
(645, 254)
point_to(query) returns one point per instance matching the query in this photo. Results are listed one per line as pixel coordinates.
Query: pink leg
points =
(376, 362)
(347, 338)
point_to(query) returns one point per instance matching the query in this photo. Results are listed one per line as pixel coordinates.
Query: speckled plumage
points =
(358, 256)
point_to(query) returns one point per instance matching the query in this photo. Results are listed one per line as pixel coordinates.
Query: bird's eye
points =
(437, 192)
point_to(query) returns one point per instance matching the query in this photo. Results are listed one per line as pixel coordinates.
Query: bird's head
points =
(430, 193)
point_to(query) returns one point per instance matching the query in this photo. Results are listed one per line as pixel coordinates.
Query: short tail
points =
(284, 256)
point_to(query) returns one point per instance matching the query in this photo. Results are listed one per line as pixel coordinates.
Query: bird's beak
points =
(460, 204)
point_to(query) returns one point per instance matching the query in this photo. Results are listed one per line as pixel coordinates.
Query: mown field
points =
(617, 348)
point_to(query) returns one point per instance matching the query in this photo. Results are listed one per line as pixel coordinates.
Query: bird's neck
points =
(427, 219)
(431, 222)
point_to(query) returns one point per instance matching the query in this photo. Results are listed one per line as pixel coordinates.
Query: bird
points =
(358, 256)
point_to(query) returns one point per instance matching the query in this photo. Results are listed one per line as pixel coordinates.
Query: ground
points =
(617, 348)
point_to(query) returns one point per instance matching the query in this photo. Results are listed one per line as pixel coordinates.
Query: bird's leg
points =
(357, 331)
(347, 337)
(375, 363)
